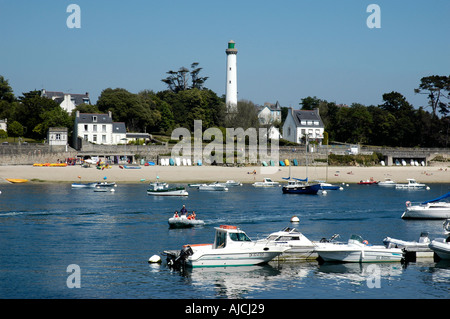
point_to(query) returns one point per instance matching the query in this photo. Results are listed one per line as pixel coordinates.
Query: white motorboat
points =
(84, 185)
(298, 246)
(411, 248)
(105, 184)
(213, 187)
(387, 182)
(162, 189)
(267, 182)
(231, 247)
(441, 246)
(184, 221)
(432, 209)
(328, 186)
(231, 183)
(412, 184)
(358, 250)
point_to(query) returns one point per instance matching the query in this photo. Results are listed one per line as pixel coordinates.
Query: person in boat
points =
(192, 216)
(183, 210)
(176, 214)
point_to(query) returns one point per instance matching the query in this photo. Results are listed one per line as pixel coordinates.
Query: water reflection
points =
(232, 282)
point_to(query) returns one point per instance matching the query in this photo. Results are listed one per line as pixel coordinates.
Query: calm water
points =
(44, 228)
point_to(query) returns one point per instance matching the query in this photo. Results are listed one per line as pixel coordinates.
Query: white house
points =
(57, 136)
(4, 125)
(300, 123)
(98, 129)
(269, 113)
(67, 101)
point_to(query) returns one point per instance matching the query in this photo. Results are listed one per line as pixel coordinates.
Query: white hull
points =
(296, 244)
(184, 222)
(428, 211)
(361, 255)
(219, 257)
(219, 188)
(441, 248)
(168, 193)
(358, 251)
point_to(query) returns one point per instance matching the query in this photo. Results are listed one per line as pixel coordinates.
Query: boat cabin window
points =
(221, 240)
(285, 238)
(239, 237)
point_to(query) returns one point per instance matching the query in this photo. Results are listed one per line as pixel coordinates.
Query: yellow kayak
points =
(17, 180)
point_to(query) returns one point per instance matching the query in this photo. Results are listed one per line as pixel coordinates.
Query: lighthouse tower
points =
(231, 88)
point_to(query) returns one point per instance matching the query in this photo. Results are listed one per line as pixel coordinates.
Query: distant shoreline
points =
(196, 174)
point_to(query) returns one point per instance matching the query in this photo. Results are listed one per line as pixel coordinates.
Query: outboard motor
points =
(180, 260)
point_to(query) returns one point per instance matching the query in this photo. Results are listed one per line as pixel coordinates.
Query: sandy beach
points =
(194, 174)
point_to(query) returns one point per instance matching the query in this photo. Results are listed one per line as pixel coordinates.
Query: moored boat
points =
(387, 182)
(370, 181)
(300, 186)
(298, 245)
(359, 251)
(213, 187)
(267, 182)
(231, 247)
(162, 189)
(84, 185)
(412, 184)
(411, 249)
(432, 209)
(441, 246)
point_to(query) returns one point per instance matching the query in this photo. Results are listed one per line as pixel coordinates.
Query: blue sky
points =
(287, 49)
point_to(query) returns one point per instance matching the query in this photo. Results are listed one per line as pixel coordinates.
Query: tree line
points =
(395, 122)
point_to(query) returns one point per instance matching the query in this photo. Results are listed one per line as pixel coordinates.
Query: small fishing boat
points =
(298, 245)
(359, 251)
(412, 184)
(213, 187)
(231, 183)
(370, 181)
(300, 186)
(184, 221)
(387, 182)
(267, 182)
(231, 247)
(162, 189)
(432, 209)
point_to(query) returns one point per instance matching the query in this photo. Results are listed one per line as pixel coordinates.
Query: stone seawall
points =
(28, 154)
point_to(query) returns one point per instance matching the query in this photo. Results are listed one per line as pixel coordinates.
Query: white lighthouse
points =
(231, 88)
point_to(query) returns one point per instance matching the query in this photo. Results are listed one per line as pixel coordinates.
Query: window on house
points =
(103, 128)
(58, 136)
(94, 138)
(85, 127)
(85, 137)
(94, 128)
(103, 138)
(289, 131)
(94, 119)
